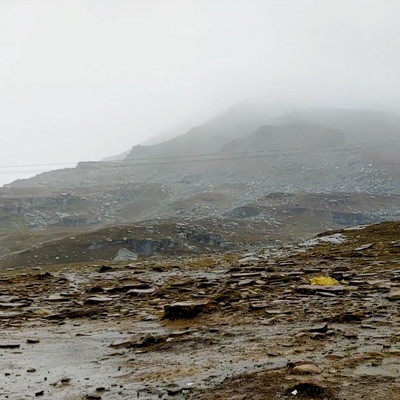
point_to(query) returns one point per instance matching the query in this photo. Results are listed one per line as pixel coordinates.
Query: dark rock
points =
(323, 328)
(310, 388)
(105, 268)
(44, 275)
(95, 289)
(93, 396)
(78, 313)
(174, 390)
(32, 341)
(187, 309)
(9, 346)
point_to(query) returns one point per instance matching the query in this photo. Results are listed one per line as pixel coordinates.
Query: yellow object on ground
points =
(324, 281)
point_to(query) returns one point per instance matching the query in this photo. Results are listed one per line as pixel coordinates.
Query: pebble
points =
(305, 369)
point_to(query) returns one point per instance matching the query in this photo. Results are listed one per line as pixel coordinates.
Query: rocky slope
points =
(354, 186)
(273, 218)
(130, 242)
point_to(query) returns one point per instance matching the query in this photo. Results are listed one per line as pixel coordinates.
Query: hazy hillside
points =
(356, 126)
(163, 137)
(118, 157)
(290, 136)
(209, 137)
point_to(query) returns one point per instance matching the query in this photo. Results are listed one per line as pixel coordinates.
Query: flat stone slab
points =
(314, 289)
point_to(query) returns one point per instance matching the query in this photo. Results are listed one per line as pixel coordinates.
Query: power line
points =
(188, 158)
(23, 172)
(38, 165)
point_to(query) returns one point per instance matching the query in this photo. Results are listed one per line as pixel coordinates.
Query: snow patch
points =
(125, 255)
(356, 228)
(336, 238)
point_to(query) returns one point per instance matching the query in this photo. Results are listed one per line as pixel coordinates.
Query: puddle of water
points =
(390, 368)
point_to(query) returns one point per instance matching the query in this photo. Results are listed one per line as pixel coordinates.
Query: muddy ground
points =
(246, 326)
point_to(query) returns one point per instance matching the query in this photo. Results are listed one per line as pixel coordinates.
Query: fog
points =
(82, 80)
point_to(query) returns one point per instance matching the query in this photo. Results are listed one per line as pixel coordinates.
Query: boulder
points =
(186, 309)
(306, 369)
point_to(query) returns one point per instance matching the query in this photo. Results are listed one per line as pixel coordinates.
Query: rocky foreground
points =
(228, 326)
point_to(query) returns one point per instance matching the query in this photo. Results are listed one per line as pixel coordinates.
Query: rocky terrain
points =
(226, 169)
(190, 269)
(96, 195)
(220, 326)
(130, 242)
(272, 220)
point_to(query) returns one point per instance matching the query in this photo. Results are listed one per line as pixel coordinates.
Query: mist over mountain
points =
(166, 135)
(118, 157)
(303, 127)
(288, 136)
(358, 125)
(101, 91)
(210, 136)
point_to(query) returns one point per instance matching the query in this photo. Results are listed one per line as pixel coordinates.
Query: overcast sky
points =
(81, 80)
